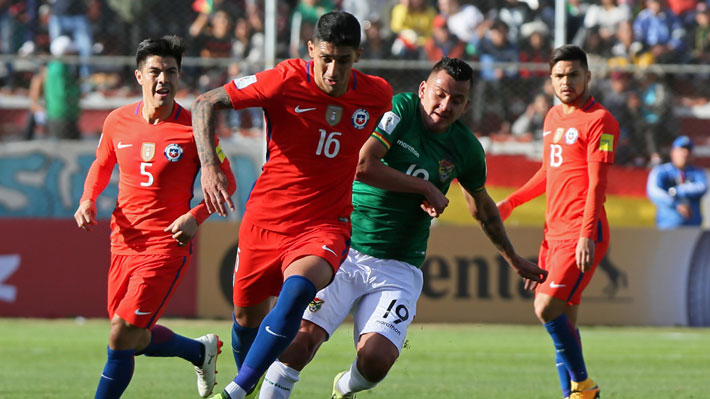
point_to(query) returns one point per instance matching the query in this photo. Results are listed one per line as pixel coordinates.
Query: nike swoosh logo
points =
(553, 285)
(298, 109)
(546, 132)
(329, 250)
(120, 145)
(139, 313)
(268, 330)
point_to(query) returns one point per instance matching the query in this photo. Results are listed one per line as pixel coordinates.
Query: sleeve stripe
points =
(382, 139)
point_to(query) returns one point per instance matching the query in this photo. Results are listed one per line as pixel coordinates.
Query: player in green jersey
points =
(404, 172)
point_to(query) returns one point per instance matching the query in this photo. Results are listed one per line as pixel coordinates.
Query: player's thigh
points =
(334, 302)
(151, 283)
(257, 268)
(392, 305)
(565, 281)
(328, 242)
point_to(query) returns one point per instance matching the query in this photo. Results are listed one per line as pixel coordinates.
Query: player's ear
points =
(358, 53)
(311, 49)
(139, 76)
(422, 89)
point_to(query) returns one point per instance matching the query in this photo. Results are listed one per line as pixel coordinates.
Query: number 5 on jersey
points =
(144, 172)
(328, 144)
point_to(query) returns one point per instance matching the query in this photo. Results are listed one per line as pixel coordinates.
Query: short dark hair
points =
(569, 52)
(456, 68)
(339, 28)
(166, 46)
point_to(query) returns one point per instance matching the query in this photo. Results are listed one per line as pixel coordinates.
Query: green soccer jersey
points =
(391, 225)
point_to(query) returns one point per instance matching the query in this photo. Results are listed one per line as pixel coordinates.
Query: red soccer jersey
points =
(157, 168)
(312, 145)
(570, 142)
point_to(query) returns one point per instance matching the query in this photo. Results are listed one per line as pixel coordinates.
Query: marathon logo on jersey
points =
(360, 118)
(571, 136)
(606, 143)
(173, 152)
(558, 134)
(446, 169)
(389, 121)
(147, 152)
(315, 305)
(333, 114)
(244, 81)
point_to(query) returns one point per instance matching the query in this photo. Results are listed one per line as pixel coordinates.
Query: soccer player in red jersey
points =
(296, 229)
(579, 136)
(152, 225)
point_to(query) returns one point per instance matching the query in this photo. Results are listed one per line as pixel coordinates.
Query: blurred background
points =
(65, 64)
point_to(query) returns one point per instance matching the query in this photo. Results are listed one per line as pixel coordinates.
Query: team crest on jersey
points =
(558, 134)
(173, 152)
(571, 136)
(147, 152)
(315, 305)
(360, 118)
(446, 168)
(333, 114)
(389, 121)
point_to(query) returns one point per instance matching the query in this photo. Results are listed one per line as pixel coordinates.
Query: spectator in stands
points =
(605, 18)
(684, 9)
(248, 46)
(661, 33)
(626, 51)
(462, 20)
(311, 10)
(676, 188)
(58, 84)
(442, 42)
(412, 24)
(529, 124)
(535, 48)
(515, 14)
(68, 17)
(700, 35)
(657, 113)
(494, 90)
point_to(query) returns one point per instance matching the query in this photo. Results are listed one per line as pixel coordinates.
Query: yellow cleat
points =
(586, 389)
(255, 393)
(336, 392)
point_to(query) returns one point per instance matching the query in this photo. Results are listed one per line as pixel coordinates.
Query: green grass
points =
(63, 359)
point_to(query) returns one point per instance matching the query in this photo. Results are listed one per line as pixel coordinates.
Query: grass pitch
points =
(59, 359)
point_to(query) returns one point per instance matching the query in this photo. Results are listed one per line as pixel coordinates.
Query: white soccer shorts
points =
(380, 293)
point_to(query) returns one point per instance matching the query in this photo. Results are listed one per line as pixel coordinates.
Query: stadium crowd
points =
(507, 103)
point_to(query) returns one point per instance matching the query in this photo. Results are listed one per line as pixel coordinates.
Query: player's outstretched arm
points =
(484, 210)
(204, 120)
(370, 170)
(533, 188)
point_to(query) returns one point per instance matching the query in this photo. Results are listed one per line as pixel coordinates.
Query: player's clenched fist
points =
(505, 209)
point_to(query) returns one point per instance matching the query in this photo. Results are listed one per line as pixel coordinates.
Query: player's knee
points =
(124, 336)
(374, 362)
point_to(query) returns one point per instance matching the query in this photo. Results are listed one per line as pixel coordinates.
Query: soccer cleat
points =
(336, 392)
(206, 374)
(220, 395)
(586, 389)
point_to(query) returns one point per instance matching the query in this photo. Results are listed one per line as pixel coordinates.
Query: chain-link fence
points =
(66, 63)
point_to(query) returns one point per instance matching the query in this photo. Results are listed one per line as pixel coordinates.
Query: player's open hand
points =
(214, 188)
(505, 208)
(85, 215)
(584, 254)
(183, 229)
(528, 270)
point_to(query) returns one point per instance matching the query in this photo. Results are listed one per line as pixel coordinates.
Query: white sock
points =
(235, 391)
(278, 381)
(353, 381)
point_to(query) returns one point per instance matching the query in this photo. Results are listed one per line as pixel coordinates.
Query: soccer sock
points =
(117, 374)
(569, 348)
(354, 381)
(278, 381)
(165, 343)
(276, 331)
(242, 338)
(565, 383)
